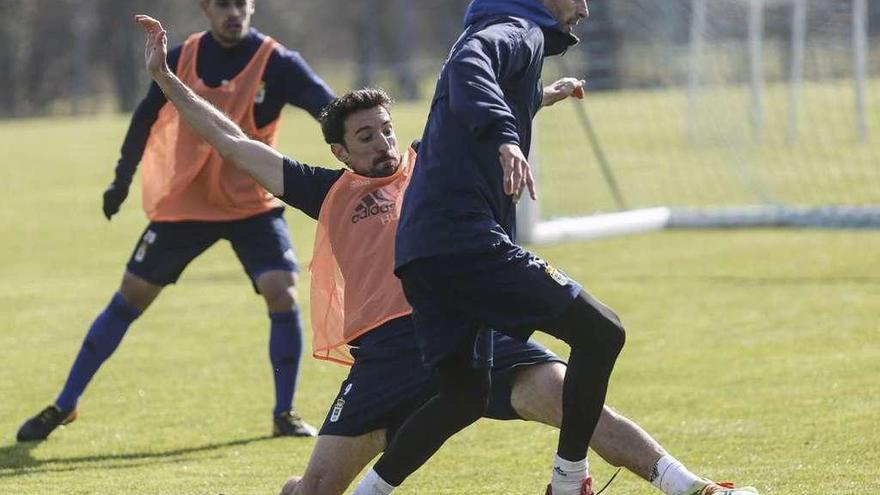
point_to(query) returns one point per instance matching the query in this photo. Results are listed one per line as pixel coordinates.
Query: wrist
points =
(161, 73)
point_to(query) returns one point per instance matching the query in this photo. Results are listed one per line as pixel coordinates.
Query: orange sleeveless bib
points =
(183, 177)
(354, 289)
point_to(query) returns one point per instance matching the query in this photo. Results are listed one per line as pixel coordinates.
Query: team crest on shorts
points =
(149, 238)
(337, 410)
(557, 276)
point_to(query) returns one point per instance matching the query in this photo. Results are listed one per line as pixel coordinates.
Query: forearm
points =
(255, 158)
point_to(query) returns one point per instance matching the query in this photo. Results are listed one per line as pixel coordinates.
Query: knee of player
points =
(137, 292)
(282, 299)
(616, 333)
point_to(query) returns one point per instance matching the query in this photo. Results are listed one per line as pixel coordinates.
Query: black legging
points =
(594, 334)
(462, 398)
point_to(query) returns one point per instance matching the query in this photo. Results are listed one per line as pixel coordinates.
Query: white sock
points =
(568, 476)
(373, 484)
(671, 477)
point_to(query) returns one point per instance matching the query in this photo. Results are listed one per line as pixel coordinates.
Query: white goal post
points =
(758, 115)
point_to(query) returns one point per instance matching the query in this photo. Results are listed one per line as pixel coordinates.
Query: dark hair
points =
(334, 114)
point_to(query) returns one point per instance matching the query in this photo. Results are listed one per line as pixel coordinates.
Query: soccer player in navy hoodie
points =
(456, 254)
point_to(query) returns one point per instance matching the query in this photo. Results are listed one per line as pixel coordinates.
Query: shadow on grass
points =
(16, 459)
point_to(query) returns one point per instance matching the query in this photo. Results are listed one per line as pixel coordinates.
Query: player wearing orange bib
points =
(194, 198)
(359, 314)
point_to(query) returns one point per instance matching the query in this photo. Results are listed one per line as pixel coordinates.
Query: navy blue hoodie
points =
(488, 92)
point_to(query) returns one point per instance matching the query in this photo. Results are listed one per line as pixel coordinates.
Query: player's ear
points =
(204, 4)
(340, 152)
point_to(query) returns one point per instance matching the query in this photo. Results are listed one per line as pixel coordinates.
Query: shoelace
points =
(608, 483)
(47, 415)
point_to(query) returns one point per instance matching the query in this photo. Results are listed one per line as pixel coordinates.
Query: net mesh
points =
(703, 104)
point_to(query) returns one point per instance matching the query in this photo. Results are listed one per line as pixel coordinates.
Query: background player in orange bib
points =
(193, 198)
(358, 312)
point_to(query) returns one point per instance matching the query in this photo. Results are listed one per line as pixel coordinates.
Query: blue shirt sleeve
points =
(289, 79)
(476, 73)
(306, 187)
(142, 121)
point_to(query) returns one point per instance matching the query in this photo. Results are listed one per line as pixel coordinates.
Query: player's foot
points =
(40, 426)
(289, 424)
(586, 487)
(707, 487)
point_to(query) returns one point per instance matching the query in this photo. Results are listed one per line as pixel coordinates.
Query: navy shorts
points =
(456, 297)
(388, 381)
(261, 242)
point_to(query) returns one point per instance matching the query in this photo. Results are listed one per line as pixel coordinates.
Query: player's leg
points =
(463, 386)
(536, 395)
(159, 257)
(334, 464)
(105, 334)
(385, 386)
(595, 335)
(262, 244)
(462, 398)
(515, 292)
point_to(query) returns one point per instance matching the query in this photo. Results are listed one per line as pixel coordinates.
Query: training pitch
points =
(751, 355)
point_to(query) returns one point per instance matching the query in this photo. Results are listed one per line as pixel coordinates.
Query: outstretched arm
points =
(257, 159)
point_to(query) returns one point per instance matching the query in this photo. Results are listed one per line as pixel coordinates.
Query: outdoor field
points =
(752, 355)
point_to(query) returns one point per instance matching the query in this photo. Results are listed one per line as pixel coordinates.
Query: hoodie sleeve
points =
(476, 72)
(142, 120)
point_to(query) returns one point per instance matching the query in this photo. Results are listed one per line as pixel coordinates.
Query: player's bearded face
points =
(568, 12)
(370, 143)
(230, 19)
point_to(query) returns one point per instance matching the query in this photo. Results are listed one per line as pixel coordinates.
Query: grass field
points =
(663, 155)
(751, 355)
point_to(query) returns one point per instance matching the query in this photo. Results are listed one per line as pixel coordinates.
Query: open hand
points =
(156, 47)
(517, 172)
(562, 89)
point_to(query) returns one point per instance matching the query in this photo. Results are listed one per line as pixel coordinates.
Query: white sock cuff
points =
(571, 466)
(373, 484)
(672, 477)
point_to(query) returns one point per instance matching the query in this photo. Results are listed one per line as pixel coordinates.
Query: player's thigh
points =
(536, 393)
(336, 461)
(507, 288)
(262, 244)
(165, 249)
(443, 331)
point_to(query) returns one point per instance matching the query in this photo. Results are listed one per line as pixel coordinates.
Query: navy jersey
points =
(487, 95)
(306, 187)
(288, 80)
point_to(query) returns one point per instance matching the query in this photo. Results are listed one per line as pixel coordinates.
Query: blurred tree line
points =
(75, 56)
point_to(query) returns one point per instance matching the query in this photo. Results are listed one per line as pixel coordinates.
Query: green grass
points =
(658, 161)
(751, 355)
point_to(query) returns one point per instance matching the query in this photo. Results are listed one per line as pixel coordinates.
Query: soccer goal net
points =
(712, 113)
